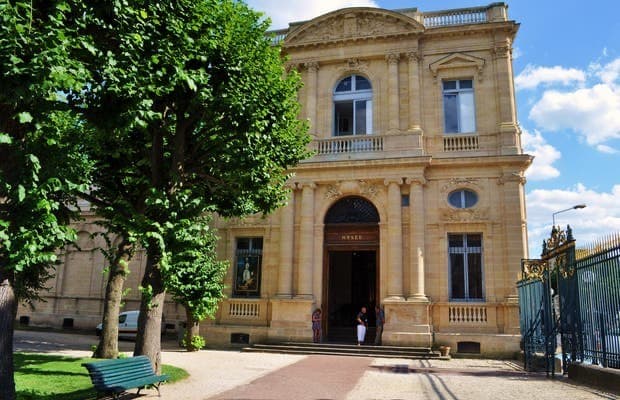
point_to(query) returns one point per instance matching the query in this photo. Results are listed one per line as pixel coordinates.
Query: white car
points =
(127, 324)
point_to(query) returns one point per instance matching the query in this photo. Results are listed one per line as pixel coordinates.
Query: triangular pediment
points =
(457, 60)
(352, 24)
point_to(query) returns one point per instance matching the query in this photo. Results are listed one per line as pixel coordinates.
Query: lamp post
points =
(578, 206)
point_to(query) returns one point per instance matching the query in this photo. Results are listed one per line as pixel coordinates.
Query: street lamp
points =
(568, 209)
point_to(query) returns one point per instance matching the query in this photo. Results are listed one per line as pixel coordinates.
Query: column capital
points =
(388, 181)
(414, 56)
(312, 66)
(416, 180)
(306, 184)
(392, 58)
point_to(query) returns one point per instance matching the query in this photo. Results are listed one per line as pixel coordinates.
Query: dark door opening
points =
(352, 281)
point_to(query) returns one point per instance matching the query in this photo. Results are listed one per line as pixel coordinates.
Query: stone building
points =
(414, 197)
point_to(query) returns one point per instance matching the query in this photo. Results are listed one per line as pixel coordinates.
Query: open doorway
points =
(352, 283)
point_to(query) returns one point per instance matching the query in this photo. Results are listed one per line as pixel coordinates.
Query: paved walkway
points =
(228, 375)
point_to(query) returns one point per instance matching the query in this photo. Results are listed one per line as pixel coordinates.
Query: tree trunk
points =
(119, 269)
(148, 340)
(8, 312)
(193, 329)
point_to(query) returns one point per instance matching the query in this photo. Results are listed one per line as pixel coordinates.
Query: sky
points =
(567, 80)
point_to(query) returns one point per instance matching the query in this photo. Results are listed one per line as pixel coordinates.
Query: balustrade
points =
(349, 144)
(455, 17)
(460, 143)
(467, 314)
(244, 310)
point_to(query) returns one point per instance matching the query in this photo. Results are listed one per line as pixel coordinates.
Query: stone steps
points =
(346, 350)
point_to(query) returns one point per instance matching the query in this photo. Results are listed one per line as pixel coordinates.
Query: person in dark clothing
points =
(380, 315)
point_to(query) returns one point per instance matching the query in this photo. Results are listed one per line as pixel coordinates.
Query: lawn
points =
(47, 377)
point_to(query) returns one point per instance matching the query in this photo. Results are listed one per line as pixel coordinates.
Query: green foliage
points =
(196, 343)
(194, 276)
(42, 376)
(43, 164)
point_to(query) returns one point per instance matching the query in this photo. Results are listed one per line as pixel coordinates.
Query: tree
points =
(194, 277)
(42, 163)
(202, 117)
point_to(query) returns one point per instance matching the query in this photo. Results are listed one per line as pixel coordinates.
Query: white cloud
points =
(592, 112)
(531, 77)
(606, 149)
(544, 156)
(609, 73)
(600, 217)
(284, 12)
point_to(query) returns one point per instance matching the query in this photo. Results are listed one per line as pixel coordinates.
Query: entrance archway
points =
(351, 266)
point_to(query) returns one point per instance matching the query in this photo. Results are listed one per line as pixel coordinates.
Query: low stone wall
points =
(592, 375)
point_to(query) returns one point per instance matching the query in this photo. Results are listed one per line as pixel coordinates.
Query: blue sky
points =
(567, 76)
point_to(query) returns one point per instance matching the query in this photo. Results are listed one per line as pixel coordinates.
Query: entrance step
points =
(346, 350)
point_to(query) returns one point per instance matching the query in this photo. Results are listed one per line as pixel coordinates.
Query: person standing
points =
(380, 316)
(362, 324)
(316, 325)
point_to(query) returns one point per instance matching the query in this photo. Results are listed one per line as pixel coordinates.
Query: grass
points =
(47, 377)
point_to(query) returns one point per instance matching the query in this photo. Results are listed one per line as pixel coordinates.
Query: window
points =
(463, 198)
(465, 258)
(353, 106)
(458, 106)
(248, 263)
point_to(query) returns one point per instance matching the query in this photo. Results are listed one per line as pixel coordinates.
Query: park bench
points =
(116, 376)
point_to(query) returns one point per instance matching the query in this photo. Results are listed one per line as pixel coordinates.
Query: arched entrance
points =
(351, 266)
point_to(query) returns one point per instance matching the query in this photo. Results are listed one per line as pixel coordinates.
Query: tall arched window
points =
(353, 106)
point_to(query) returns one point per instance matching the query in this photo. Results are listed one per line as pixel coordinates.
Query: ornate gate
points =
(571, 299)
(548, 303)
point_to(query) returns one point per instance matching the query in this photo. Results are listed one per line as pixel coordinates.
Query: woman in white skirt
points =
(362, 323)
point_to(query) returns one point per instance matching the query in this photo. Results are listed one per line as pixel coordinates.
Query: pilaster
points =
(306, 241)
(393, 106)
(394, 239)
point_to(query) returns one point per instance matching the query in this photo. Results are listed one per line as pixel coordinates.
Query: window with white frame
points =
(458, 106)
(465, 259)
(353, 106)
(248, 265)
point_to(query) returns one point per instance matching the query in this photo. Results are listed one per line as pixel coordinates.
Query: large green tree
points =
(42, 162)
(201, 117)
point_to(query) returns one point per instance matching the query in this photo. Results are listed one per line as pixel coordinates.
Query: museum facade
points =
(413, 198)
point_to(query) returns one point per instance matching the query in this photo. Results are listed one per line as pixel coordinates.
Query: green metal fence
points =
(569, 303)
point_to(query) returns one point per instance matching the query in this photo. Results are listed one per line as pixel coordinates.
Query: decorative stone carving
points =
(464, 214)
(392, 58)
(312, 66)
(368, 189)
(502, 49)
(353, 24)
(511, 177)
(414, 56)
(332, 192)
(354, 65)
(459, 182)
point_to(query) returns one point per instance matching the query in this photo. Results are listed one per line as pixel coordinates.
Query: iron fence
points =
(569, 303)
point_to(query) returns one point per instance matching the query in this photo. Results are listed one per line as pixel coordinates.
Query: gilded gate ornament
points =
(534, 269)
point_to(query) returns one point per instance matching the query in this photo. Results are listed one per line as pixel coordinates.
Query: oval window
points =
(463, 198)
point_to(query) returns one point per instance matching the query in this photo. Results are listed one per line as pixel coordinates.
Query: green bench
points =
(116, 376)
